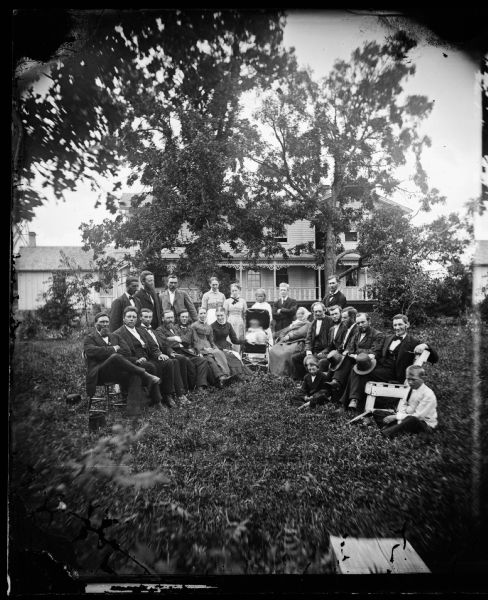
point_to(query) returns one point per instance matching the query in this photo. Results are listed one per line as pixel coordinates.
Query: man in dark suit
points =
(316, 340)
(107, 361)
(176, 300)
(397, 352)
(169, 334)
(128, 298)
(335, 297)
(338, 334)
(181, 377)
(284, 308)
(365, 340)
(148, 298)
(145, 353)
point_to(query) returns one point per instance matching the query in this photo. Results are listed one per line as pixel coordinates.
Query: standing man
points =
(335, 295)
(180, 369)
(397, 353)
(316, 339)
(197, 367)
(145, 353)
(148, 298)
(128, 298)
(176, 300)
(284, 308)
(107, 361)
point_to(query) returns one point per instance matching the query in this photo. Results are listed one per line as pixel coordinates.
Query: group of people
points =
(334, 350)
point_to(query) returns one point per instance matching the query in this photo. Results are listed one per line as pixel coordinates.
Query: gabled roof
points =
(481, 253)
(48, 258)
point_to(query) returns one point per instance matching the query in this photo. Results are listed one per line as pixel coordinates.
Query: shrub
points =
(30, 326)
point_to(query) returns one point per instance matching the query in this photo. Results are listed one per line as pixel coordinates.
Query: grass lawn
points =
(238, 482)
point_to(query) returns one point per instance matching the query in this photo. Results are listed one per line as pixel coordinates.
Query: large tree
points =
(157, 93)
(330, 149)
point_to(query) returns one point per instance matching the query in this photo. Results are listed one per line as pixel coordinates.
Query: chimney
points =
(32, 239)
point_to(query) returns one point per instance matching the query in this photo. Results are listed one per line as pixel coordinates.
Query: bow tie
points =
(148, 327)
(398, 338)
(235, 300)
(131, 297)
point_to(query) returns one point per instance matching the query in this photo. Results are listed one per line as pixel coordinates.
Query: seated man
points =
(345, 331)
(108, 361)
(180, 371)
(168, 334)
(417, 413)
(145, 353)
(397, 353)
(316, 340)
(364, 340)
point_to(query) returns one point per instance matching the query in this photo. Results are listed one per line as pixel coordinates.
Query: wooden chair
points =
(378, 389)
(109, 398)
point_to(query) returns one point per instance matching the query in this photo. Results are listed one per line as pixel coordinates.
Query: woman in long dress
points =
(235, 309)
(261, 303)
(212, 300)
(202, 340)
(287, 342)
(224, 335)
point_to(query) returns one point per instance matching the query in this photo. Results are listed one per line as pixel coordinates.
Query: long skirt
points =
(236, 365)
(217, 361)
(280, 358)
(237, 323)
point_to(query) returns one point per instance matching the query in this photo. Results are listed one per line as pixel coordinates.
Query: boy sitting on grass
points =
(313, 386)
(417, 413)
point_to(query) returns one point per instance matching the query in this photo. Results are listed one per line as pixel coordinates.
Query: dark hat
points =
(335, 359)
(364, 364)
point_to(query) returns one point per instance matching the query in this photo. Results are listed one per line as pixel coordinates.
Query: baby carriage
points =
(255, 349)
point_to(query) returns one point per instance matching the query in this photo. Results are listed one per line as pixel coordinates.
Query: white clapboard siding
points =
(299, 232)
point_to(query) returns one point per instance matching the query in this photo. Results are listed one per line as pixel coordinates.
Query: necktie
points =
(235, 300)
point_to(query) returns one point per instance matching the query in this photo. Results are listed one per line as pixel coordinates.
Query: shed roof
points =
(48, 258)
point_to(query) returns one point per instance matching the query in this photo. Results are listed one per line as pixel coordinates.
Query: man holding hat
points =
(365, 340)
(397, 352)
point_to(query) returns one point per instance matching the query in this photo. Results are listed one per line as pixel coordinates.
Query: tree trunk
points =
(330, 241)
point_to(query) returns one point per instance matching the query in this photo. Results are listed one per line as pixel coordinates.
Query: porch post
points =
(319, 292)
(240, 273)
(274, 277)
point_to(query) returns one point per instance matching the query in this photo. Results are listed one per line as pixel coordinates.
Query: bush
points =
(30, 326)
(483, 308)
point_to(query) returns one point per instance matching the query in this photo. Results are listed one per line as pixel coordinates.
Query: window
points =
(253, 279)
(281, 276)
(280, 236)
(351, 236)
(352, 278)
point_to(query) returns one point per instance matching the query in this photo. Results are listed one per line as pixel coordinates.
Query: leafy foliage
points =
(254, 487)
(59, 311)
(337, 143)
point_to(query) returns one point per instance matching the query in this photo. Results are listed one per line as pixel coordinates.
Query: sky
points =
(453, 163)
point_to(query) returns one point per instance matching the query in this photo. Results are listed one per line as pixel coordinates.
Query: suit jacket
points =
(287, 314)
(321, 342)
(372, 342)
(151, 350)
(163, 344)
(145, 301)
(96, 352)
(309, 388)
(182, 302)
(335, 343)
(186, 335)
(405, 355)
(337, 298)
(117, 311)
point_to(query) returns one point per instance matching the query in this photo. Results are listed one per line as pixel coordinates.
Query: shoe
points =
(353, 403)
(169, 402)
(183, 400)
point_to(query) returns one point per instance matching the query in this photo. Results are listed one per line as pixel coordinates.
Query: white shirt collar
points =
(133, 331)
